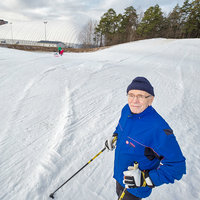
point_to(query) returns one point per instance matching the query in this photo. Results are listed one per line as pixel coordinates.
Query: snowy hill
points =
(56, 113)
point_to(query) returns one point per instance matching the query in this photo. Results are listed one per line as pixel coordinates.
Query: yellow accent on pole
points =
(123, 194)
(95, 157)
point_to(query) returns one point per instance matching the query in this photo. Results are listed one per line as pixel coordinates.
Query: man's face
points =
(139, 100)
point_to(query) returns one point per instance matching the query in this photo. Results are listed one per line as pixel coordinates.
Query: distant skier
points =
(61, 52)
(143, 136)
(59, 49)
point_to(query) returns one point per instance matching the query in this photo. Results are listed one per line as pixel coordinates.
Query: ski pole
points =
(123, 193)
(125, 189)
(52, 194)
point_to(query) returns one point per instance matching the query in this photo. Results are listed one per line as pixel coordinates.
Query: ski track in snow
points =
(57, 112)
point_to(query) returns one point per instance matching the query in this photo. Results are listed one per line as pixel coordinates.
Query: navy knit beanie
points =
(141, 83)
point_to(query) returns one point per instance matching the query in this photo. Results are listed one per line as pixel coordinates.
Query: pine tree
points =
(128, 25)
(174, 23)
(152, 23)
(108, 27)
(192, 25)
(185, 12)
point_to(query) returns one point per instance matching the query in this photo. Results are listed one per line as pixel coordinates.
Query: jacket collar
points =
(142, 114)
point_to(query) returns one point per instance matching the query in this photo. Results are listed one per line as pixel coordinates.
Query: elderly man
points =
(143, 136)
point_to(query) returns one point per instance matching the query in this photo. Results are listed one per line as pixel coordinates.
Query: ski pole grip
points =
(135, 166)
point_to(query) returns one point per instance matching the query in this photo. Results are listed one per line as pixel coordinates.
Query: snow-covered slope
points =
(56, 113)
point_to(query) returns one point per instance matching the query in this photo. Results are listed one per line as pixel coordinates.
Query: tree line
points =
(113, 28)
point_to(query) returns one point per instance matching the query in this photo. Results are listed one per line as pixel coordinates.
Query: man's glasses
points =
(140, 97)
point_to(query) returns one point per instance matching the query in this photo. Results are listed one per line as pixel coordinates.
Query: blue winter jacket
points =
(147, 139)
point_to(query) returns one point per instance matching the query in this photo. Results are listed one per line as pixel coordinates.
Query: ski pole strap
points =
(143, 177)
(114, 139)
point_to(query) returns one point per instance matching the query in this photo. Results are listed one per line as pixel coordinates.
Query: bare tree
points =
(87, 35)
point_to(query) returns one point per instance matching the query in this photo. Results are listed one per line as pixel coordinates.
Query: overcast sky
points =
(77, 11)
